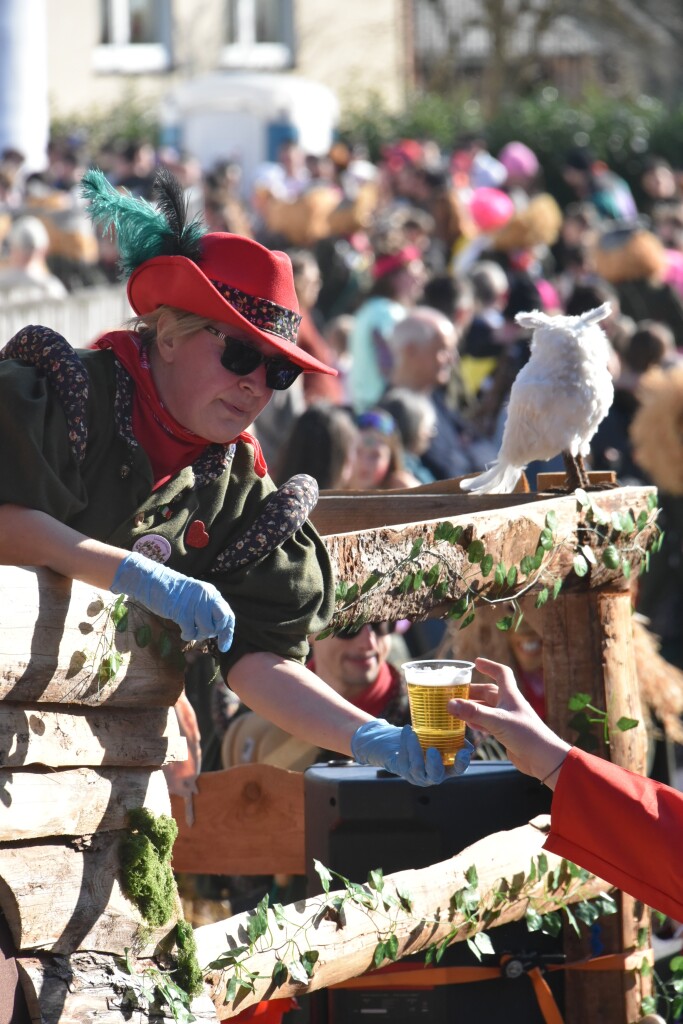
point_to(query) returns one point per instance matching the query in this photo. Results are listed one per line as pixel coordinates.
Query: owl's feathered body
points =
(558, 399)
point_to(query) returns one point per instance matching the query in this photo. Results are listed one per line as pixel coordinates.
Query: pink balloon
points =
(491, 208)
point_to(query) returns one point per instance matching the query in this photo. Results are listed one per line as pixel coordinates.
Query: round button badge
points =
(153, 546)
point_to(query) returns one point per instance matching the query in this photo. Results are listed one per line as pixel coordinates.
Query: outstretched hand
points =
(398, 750)
(500, 709)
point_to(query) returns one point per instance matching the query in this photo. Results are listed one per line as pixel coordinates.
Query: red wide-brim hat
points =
(236, 281)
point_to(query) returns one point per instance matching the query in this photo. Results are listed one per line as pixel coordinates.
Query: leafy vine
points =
(614, 537)
(104, 660)
(295, 960)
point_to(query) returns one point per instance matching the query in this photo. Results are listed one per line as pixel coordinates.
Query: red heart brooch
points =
(196, 536)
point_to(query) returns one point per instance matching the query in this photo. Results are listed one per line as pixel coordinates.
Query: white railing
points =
(80, 317)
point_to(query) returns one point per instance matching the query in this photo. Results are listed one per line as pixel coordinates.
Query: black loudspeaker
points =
(358, 819)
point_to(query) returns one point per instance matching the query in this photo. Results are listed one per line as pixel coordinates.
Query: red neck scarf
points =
(170, 447)
(374, 698)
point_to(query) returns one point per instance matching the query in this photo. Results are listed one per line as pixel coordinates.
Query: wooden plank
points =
(90, 987)
(54, 633)
(89, 737)
(349, 512)
(39, 803)
(248, 820)
(61, 899)
(449, 486)
(507, 535)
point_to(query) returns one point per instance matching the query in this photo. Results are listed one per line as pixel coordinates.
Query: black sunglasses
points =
(240, 358)
(378, 628)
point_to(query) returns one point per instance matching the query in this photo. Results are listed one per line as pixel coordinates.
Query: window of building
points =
(259, 34)
(135, 36)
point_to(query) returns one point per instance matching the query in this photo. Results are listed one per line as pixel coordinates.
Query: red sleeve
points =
(621, 826)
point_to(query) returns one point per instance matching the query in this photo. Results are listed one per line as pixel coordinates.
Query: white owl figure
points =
(557, 400)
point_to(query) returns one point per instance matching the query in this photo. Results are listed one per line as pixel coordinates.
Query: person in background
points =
(593, 182)
(28, 277)
(624, 827)
(398, 280)
(453, 296)
(522, 166)
(660, 185)
(323, 442)
(379, 463)
(479, 346)
(337, 332)
(650, 344)
(317, 387)
(424, 353)
(415, 417)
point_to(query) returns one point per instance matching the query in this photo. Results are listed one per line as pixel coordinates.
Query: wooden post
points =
(588, 648)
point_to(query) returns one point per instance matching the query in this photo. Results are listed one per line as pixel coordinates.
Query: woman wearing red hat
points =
(129, 466)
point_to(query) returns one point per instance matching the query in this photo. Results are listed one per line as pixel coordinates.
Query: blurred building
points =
(97, 48)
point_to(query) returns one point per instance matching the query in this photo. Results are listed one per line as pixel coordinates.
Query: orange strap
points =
(544, 997)
(415, 976)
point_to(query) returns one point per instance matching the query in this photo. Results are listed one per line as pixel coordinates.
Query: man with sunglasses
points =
(356, 665)
(130, 467)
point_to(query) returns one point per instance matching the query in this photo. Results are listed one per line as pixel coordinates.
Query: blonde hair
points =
(185, 323)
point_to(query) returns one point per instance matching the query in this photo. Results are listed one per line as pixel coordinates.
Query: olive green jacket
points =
(67, 449)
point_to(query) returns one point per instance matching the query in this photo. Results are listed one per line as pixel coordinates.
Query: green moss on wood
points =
(188, 974)
(146, 875)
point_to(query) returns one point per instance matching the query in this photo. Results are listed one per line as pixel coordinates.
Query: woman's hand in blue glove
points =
(398, 750)
(197, 607)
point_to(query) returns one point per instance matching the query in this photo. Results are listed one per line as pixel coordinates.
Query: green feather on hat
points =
(143, 229)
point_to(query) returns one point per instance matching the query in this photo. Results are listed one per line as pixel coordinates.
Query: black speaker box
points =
(359, 819)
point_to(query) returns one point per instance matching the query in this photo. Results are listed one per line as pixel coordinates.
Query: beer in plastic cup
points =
(431, 684)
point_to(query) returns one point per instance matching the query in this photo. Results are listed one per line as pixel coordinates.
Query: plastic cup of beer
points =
(431, 684)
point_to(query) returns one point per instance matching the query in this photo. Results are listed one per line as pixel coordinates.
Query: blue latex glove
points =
(198, 608)
(399, 751)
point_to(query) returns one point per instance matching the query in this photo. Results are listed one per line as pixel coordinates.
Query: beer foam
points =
(446, 676)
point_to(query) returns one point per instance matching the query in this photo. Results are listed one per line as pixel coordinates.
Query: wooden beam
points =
(507, 534)
(89, 737)
(248, 820)
(54, 633)
(63, 898)
(45, 803)
(346, 948)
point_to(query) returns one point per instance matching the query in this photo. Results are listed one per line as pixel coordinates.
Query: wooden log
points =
(507, 534)
(77, 801)
(54, 633)
(90, 987)
(248, 820)
(588, 648)
(346, 949)
(64, 898)
(622, 693)
(87, 737)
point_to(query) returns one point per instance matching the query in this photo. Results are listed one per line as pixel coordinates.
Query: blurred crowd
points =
(410, 271)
